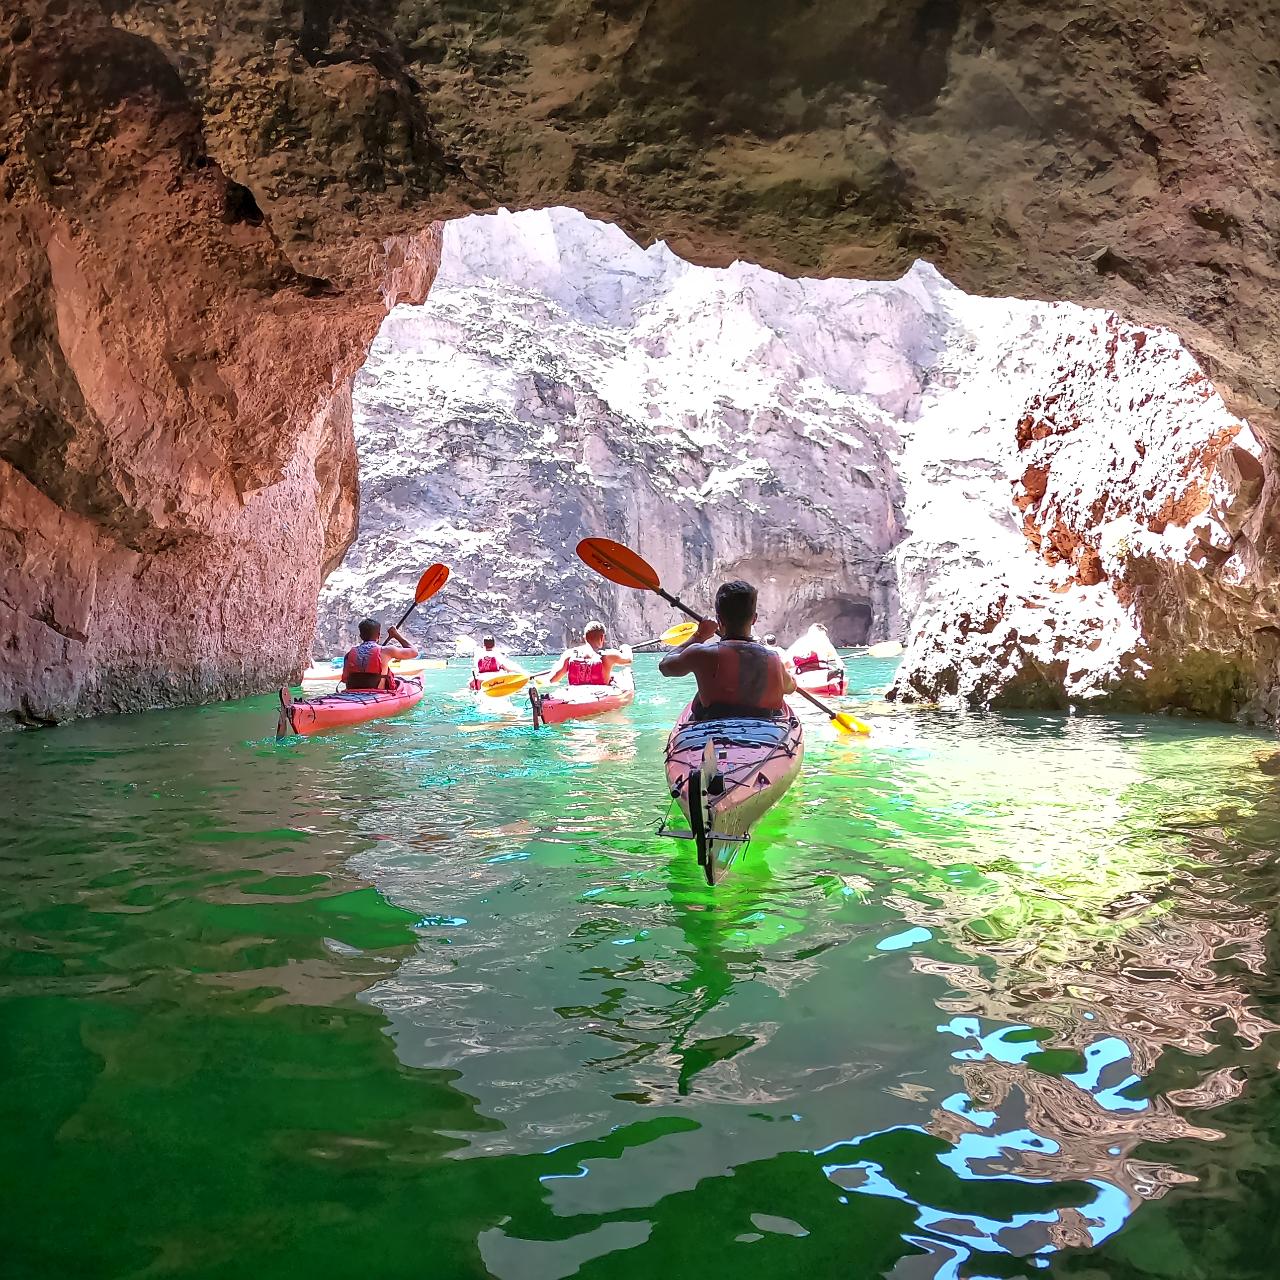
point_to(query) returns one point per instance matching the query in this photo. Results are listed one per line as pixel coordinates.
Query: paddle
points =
(509, 682)
(621, 565)
(432, 580)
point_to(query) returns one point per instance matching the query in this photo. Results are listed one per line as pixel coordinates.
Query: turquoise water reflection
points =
(988, 996)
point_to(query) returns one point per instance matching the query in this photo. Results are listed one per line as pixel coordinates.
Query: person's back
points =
(368, 665)
(737, 676)
(590, 663)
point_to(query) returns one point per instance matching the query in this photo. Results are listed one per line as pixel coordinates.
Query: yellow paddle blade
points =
(503, 686)
(678, 634)
(847, 724)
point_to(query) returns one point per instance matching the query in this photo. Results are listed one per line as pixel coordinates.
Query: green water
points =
(988, 997)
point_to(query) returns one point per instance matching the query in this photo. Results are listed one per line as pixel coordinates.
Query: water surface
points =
(988, 996)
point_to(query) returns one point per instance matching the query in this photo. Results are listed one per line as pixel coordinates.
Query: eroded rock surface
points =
(208, 207)
(1086, 517)
(562, 382)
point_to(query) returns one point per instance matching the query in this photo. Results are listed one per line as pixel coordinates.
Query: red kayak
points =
(578, 701)
(826, 682)
(725, 774)
(337, 710)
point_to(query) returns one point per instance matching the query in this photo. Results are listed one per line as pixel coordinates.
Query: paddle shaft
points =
(677, 603)
(822, 706)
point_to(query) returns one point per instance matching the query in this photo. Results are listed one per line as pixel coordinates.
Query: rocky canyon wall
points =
(208, 208)
(561, 382)
(1052, 506)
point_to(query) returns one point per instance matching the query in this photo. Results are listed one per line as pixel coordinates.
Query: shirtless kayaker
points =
(737, 675)
(590, 662)
(368, 665)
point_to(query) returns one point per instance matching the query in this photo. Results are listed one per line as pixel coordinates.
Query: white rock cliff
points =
(1044, 502)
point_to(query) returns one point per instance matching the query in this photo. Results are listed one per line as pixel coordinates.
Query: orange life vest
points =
(365, 667)
(743, 679)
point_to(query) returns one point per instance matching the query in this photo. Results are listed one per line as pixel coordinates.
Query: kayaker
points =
(738, 677)
(590, 662)
(368, 665)
(491, 660)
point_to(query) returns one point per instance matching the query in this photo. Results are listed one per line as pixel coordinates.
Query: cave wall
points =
(208, 208)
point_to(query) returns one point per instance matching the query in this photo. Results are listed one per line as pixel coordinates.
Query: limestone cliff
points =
(207, 208)
(562, 382)
(1052, 505)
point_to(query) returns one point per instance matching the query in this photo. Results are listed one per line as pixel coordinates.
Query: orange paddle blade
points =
(618, 563)
(431, 581)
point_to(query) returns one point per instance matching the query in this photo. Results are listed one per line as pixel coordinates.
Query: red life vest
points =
(365, 667)
(487, 663)
(586, 670)
(806, 662)
(743, 679)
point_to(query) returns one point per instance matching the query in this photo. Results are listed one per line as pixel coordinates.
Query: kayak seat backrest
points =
(737, 733)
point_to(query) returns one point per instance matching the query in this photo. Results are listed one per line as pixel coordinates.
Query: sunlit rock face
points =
(562, 381)
(1087, 518)
(1049, 505)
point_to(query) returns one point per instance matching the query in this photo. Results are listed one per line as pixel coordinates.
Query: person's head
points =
(593, 634)
(370, 629)
(736, 608)
(771, 638)
(488, 642)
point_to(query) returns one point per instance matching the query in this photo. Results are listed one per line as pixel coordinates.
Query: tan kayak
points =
(724, 775)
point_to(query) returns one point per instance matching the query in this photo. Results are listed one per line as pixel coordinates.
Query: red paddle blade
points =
(618, 563)
(431, 581)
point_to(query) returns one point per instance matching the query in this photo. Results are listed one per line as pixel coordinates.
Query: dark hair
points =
(771, 638)
(369, 629)
(488, 642)
(735, 604)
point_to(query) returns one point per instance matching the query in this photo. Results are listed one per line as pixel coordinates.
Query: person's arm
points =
(401, 650)
(561, 667)
(684, 660)
(788, 680)
(618, 657)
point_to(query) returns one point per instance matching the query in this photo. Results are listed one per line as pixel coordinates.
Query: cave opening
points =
(896, 460)
(848, 619)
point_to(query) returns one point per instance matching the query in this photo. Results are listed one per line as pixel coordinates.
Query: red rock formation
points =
(176, 458)
(207, 207)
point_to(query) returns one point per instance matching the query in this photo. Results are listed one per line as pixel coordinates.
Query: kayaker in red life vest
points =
(368, 665)
(491, 660)
(590, 662)
(737, 675)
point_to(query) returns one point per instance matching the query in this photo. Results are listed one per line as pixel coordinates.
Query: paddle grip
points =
(679, 604)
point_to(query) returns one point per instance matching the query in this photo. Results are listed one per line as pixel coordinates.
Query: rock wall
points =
(562, 382)
(208, 207)
(176, 458)
(1086, 515)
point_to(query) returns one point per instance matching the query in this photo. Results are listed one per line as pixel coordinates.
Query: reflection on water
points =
(987, 996)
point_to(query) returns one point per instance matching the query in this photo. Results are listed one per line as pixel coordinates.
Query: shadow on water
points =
(989, 996)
